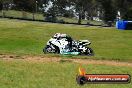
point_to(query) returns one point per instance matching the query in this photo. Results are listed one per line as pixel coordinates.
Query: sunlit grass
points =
(21, 74)
(24, 37)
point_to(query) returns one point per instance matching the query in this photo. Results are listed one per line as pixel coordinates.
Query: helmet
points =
(57, 35)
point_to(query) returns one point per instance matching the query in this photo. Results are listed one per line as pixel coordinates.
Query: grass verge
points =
(23, 74)
(29, 38)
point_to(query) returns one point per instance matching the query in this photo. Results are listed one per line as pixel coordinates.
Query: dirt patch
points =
(103, 62)
(41, 59)
(59, 59)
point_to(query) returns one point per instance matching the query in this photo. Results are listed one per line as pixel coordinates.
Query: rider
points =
(68, 38)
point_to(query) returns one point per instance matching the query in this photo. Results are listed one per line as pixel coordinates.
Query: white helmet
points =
(57, 35)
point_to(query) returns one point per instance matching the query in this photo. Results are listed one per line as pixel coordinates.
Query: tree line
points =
(106, 10)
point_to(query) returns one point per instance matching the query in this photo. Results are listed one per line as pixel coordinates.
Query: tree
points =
(81, 7)
(108, 10)
(4, 4)
(58, 8)
(25, 5)
(125, 8)
(1, 5)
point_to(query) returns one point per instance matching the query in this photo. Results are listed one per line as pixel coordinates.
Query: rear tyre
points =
(89, 52)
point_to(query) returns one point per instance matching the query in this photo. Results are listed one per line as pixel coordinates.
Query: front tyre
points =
(49, 49)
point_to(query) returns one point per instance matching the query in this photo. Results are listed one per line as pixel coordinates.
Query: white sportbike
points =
(64, 44)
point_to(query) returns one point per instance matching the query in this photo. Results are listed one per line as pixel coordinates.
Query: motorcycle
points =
(64, 44)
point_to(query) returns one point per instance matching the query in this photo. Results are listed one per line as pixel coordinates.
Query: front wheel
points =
(49, 49)
(89, 52)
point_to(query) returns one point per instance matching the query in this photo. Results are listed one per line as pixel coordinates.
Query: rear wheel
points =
(89, 52)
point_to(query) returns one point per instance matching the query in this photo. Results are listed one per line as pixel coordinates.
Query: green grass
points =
(21, 74)
(28, 38)
(22, 14)
(72, 20)
(24, 37)
(39, 16)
